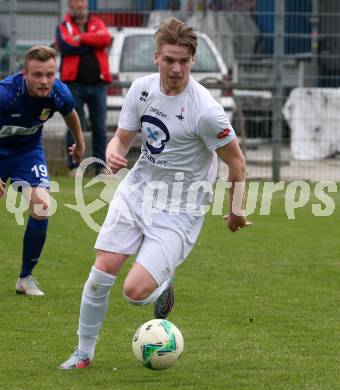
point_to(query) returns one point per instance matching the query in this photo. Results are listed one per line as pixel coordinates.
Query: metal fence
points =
(283, 60)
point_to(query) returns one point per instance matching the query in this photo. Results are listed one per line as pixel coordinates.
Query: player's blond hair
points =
(39, 53)
(173, 31)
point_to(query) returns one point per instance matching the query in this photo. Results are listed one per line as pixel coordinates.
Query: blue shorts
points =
(30, 167)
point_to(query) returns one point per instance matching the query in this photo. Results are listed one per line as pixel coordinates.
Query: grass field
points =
(259, 309)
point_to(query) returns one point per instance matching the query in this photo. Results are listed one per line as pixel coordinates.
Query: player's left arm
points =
(232, 155)
(2, 189)
(78, 148)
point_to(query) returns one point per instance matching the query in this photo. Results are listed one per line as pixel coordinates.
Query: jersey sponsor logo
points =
(180, 116)
(44, 114)
(224, 133)
(156, 132)
(157, 112)
(18, 115)
(143, 96)
(8, 131)
(153, 159)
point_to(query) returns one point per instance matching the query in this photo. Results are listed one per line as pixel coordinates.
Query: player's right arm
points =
(118, 148)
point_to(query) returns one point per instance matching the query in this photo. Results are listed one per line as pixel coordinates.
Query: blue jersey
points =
(22, 116)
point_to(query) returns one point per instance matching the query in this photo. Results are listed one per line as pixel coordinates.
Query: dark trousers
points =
(94, 96)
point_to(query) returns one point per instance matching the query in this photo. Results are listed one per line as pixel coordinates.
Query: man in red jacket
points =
(83, 41)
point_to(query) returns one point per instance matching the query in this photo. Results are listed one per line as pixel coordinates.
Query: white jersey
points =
(180, 134)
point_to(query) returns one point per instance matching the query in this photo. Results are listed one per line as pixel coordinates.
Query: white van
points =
(131, 56)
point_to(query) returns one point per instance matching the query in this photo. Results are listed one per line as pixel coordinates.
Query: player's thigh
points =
(167, 243)
(161, 254)
(29, 174)
(31, 167)
(110, 262)
(119, 233)
(139, 282)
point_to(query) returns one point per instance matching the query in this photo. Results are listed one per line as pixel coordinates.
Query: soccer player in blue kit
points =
(27, 100)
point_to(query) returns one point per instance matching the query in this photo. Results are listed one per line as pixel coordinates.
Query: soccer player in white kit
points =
(156, 212)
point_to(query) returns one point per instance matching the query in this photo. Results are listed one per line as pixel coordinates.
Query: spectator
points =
(83, 41)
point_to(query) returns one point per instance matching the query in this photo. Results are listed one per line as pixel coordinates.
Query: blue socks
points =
(34, 240)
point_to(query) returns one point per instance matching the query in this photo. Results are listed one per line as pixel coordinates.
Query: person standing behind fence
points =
(83, 41)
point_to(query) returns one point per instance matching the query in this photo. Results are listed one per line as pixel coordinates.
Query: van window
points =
(205, 61)
(138, 53)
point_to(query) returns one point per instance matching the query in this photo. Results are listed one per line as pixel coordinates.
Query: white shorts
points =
(162, 241)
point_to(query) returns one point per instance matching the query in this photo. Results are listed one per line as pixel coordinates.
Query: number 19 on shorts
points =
(39, 170)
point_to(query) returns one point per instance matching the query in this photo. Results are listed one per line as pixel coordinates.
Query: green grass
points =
(259, 309)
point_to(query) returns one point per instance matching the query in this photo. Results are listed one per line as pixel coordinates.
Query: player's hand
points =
(116, 162)
(236, 222)
(77, 152)
(2, 189)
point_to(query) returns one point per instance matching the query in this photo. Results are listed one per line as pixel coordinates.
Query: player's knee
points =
(109, 262)
(136, 294)
(40, 210)
(40, 203)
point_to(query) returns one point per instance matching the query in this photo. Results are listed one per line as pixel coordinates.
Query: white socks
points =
(94, 303)
(93, 308)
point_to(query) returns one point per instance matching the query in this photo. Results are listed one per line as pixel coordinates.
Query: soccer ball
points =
(158, 344)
